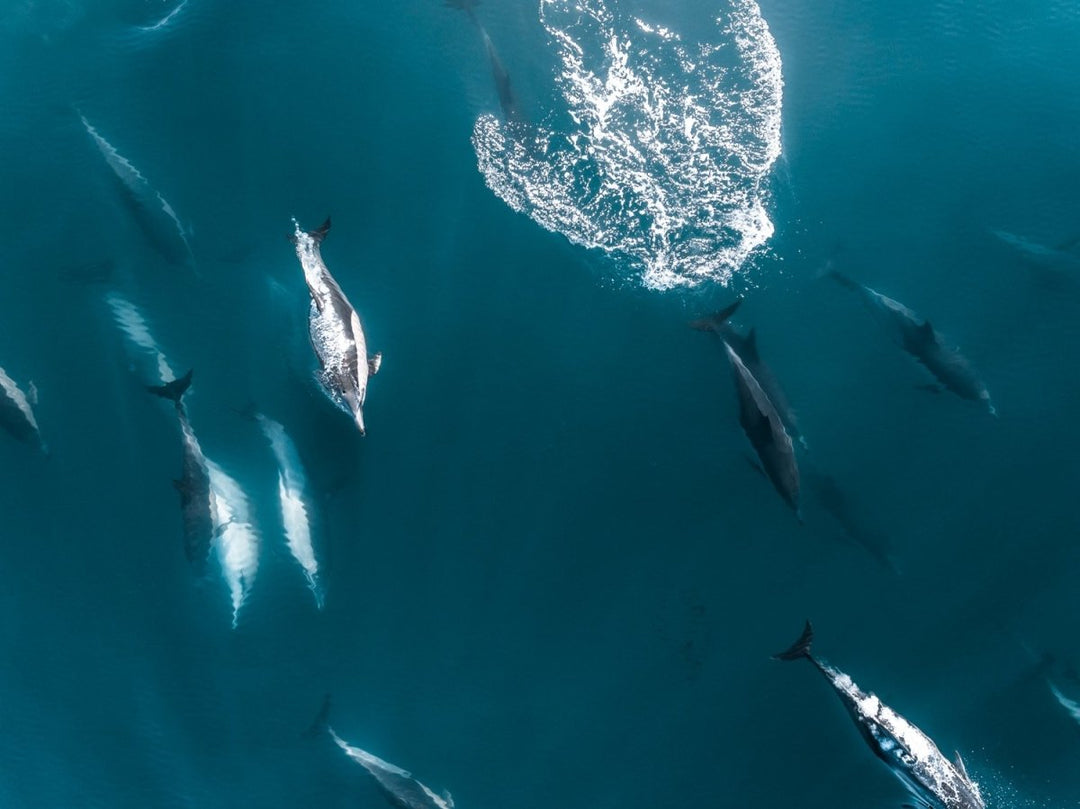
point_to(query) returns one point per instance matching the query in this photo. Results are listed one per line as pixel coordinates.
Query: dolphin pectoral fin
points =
(755, 465)
(448, 798)
(32, 394)
(960, 766)
(374, 363)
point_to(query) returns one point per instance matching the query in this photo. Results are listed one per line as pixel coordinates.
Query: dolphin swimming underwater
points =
(508, 101)
(836, 502)
(1061, 256)
(17, 412)
(765, 429)
(294, 501)
(746, 347)
(336, 333)
(919, 338)
(932, 780)
(193, 484)
(233, 537)
(154, 215)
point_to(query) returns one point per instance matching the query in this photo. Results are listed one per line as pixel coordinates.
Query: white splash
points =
(923, 756)
(134, 326)
(668, 160)
(235, 538)
(292, 494)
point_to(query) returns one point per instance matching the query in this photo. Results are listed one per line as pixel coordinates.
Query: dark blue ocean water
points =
(552, 578)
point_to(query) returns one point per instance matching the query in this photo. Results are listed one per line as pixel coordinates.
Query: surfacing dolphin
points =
(918, 337)
(154, 215)
(294, 501)
(931, 779)
(336, 333)
(746, 347)
(765, 429)
(17, 412)
(193, 484)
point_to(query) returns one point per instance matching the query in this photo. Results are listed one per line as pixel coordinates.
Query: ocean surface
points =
(550, 576)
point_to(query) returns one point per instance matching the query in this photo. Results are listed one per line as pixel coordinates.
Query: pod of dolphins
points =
(217, 520)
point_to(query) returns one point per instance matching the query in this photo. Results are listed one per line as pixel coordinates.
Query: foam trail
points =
(667, 164)
(235, 538)
(134, 326)
(292, 494)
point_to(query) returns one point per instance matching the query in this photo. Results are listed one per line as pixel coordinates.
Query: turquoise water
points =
(551, 577)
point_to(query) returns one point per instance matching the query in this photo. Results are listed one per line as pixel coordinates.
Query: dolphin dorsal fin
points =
(960, 766)
(927, 330)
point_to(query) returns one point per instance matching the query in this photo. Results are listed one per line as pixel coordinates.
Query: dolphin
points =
(295, 503)
(336, 333)
(746, 347)
(765, 429)
(193, 484)
(17, 412)
(933, 781)
(154, 215)
(508, 101)
(835, 501)
(1061, 255)
(398, 785)
(918, 337)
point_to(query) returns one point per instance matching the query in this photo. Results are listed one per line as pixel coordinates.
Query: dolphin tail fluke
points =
(321, 723)
(714, 321)
(175, 390)
(320, 232)
(801, 647)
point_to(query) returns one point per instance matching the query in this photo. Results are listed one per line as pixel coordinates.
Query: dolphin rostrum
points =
(765, 429)
(336, 333)
(918, 337)
(932, 780)
(17, 413)
(154, 215)
(746, 347)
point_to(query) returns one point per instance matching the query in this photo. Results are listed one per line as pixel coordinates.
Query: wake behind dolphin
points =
(932, 780)
(153, 214)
